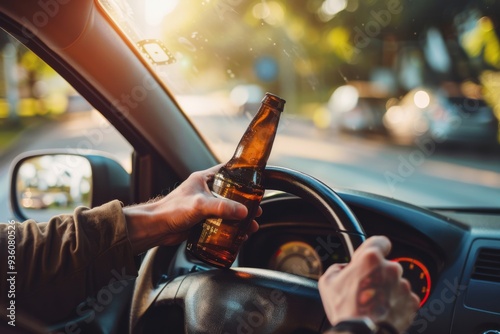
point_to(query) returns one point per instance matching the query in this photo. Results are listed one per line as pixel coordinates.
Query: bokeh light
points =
(421, 99)
(270, 12)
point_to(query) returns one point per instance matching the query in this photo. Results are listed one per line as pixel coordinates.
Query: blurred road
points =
(425, 175)
(420, 175)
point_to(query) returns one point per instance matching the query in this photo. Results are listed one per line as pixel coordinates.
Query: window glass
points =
(40, 110)
(393, 97)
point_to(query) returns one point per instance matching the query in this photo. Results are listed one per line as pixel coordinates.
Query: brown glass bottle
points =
(217, 241)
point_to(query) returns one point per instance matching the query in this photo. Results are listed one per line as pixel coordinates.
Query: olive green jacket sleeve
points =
(58, 264)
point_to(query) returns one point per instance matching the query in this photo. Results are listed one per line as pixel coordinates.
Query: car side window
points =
(40, 110)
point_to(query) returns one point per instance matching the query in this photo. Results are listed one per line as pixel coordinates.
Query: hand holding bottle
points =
(167, 221)
(217, 240)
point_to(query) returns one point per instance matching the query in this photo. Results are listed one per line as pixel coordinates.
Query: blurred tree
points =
(35, 71)
(319, 44)
(10, 77)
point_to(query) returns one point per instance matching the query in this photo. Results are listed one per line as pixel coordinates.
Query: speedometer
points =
(418, 276)
(297, 257)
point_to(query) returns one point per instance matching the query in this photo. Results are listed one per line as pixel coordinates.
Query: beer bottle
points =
(217, 241)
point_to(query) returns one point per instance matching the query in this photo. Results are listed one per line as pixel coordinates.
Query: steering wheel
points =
(243, 300)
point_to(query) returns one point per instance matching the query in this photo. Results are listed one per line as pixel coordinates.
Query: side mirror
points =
(45, 184)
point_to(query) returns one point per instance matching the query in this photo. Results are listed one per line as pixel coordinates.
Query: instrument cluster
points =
(310, 252)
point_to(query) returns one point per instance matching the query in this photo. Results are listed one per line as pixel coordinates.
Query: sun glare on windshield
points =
(155, 10)
(395, 97)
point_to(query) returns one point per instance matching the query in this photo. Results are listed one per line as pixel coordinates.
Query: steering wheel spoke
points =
(245, 300)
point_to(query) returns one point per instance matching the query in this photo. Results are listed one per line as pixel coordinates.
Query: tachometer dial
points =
(298, 258)
(418, 276)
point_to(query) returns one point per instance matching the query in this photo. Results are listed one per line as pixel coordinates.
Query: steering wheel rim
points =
(239, 285)
(323, 198)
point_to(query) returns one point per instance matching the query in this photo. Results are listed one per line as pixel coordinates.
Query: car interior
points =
(449, 253)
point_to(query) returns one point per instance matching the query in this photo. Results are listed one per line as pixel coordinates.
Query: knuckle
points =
(199, 201)
(220, 208)
(196, 175)
(394, 270)
(372, 257)
(405, 286)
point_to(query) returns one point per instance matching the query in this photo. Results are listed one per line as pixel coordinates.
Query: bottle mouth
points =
(274, 101)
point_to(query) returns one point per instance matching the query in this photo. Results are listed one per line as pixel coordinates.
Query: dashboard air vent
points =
(487, 266)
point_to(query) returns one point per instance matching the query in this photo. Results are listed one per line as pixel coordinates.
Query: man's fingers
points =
(332, 271)
(254, 227)
(224, 208)
(378, 242)
(394, 271)
(212, 170)
(207, 174)
(259, 212)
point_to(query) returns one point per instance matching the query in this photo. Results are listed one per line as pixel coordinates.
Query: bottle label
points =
(213, 221)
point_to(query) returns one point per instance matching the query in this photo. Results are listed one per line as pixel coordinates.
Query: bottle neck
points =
(255, 146)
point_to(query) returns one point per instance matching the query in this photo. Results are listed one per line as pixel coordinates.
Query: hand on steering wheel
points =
(369, 286)
(218, 301)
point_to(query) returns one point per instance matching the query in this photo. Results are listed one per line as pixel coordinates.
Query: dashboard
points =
(301, 242)
(441, 252)
(288, 247)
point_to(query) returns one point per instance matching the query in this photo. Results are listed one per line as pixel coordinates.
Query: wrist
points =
(138, 219)
(363, 325)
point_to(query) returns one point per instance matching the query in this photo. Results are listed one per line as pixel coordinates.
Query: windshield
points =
(399, 98)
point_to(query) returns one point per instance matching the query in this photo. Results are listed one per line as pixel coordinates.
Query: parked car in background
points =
(246, 98)
(443, 117)
(358, 107)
